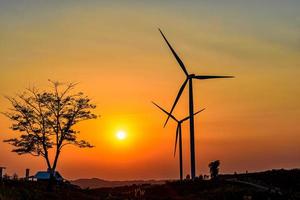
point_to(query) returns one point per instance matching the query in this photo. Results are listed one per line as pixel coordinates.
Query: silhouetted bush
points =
(214, 169)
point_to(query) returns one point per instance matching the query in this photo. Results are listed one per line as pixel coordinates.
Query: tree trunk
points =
(55, 159)
(52, 179)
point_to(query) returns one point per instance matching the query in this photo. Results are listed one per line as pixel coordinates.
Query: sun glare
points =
(121, 135)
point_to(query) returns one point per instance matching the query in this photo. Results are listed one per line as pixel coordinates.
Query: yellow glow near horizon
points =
(121, 135)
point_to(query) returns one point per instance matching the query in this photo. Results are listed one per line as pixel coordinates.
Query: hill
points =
(100, 183)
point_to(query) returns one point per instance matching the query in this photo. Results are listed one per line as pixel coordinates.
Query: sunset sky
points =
(114, 50)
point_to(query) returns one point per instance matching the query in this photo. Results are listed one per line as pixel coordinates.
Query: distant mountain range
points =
(100, 183)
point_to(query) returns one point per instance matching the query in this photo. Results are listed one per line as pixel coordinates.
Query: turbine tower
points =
(189, 78)
(178, 135)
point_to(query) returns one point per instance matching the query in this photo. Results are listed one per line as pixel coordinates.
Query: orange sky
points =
(117, 54)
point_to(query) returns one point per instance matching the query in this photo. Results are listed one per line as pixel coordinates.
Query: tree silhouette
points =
(214, 169)
(46, 119)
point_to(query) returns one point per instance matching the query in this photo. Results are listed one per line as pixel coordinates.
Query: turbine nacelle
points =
(191, 76)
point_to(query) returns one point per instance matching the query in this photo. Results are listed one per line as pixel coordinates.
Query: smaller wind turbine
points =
(178, 135)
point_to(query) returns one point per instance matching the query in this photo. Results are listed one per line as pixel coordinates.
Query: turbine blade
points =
(199, 111)
(184, 119)
(175, 54)
(176, 100)
(177, 133)
(210, 77)
(165, 111)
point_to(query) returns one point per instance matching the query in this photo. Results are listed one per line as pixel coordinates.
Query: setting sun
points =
(121, 135)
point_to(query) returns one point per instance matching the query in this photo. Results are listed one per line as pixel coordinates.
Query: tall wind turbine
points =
(189, 78)
(178, 135)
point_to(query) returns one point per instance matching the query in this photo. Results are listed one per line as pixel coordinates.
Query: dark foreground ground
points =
(273, 185)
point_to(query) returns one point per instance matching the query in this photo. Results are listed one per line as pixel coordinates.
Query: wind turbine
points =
(178, 135)
(189, 78)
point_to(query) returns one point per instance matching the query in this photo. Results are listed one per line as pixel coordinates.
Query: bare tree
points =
(46, 119)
